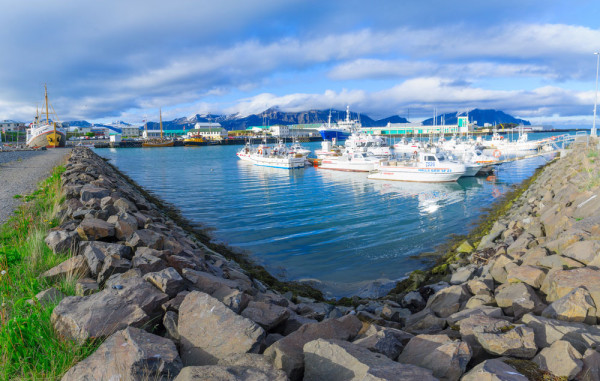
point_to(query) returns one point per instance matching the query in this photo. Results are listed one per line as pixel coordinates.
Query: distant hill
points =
(481, 116)
(272, 117)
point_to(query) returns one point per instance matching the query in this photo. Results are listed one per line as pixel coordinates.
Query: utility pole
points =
(593, 132)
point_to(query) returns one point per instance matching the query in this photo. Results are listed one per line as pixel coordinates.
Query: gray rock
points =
(103, 313)
(168, 281)
(148, 263)
(146, 238)
(560, 283)
(424, 322)
(494, 312)
(316, 311)
(173, 304)
(547, 331)
(447, 359)
(516, 342)
(493, 370)
(61, 241)
(93, 229)
(170, 322)
(51, 295)
(480, 300)
(335, 360)
(234, 299)
(287, 353)
(75, 267)
(395, 314)
(86, 286)
(206, 282)
(113, 265)
(130, 354)
(448, 301)
(561, 359)
(576, 306)
(480, 324)
(89, 192)
(517, 299)
(530, 275)
(227, 373)
(583, 251)
(293, 322)
(266, 315)
(414, 301)
(125, 224)
(463, 275)
(591, 366)
(210, 331)
(387, 341)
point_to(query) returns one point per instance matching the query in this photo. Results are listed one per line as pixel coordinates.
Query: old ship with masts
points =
(45, 133)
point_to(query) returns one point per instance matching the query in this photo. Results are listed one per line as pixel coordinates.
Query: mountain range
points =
(274, 116)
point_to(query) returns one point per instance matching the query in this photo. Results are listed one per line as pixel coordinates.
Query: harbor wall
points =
(515, 301)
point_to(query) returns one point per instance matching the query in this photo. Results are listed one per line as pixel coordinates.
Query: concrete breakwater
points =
(523, 303)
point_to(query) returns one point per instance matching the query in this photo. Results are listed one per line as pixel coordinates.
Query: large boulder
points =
(447, 358)
(337, 360)
(448, 301)
(510, 341)
(287, 353)
(75, 267)
(93, 229)
(564, 281)
(125, 224)
(576, 306)
(129, 354)
(591, 366)
(89, 191)
(517, 299)
(210, 331)
(547, 331)
(228, 373)
(387, 341)
(256, 361)
(146, 238)
(493, 370)
(267, 315)
(561, 359)
(168, 281)
(583, 251)
(424, 321)
(61, 241)
(134, 303)
(530, 275)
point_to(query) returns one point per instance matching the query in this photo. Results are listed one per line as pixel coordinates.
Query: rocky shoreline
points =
(522, 305)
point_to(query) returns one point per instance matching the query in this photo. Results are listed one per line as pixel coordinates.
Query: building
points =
(292, 131)
(130, 132)
(211, 131)
(419, 129)
(11, 125)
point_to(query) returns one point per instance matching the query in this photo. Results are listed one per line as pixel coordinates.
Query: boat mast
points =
(46, 97)
(160, 113)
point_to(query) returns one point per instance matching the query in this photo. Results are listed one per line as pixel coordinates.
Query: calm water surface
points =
(338, 228)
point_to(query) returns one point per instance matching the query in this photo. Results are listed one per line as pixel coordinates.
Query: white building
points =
(130, 131)
(281, 131)
(212, 131)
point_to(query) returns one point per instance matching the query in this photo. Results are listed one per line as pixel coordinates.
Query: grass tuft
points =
(29, 346)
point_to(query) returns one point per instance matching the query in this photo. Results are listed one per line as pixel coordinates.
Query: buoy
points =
(491, 178)
(497, 153)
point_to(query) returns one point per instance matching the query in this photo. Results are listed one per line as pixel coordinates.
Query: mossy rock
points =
(465, 247)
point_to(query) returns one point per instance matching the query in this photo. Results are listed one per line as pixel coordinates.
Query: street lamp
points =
(593, 132)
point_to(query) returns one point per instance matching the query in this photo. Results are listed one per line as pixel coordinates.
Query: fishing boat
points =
(328, 149)
(405, 146)
(274, 157)
(341, 130)
(351, 162)
(376, 145)
(45, 133)
(194, 139)
(162, 142)
(428, 167)
(298, 149)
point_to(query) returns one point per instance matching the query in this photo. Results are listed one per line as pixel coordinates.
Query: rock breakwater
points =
(521, 303)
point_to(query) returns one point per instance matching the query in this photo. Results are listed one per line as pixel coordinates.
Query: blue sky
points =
(122, 60)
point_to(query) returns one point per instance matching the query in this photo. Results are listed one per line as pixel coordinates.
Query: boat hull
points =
(416, 174)
(158, 144)
(194, 142)
(346, 166)
(334, 134)
(48, 139)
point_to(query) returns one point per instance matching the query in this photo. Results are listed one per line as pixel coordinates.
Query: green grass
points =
(29, 347)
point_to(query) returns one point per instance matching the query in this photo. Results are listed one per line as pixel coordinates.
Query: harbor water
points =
(338, 229)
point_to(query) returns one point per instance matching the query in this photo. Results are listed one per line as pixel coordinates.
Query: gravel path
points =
(21, 171)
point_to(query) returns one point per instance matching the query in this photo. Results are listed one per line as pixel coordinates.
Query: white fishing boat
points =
(296, 148)
(275, 157)
(328, 149)
(428, 167)
(351, 162)
(45, 133)
(405, 146)
(522, 143)
(375, 145)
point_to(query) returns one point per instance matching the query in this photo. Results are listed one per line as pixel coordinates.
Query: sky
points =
(123, 60)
